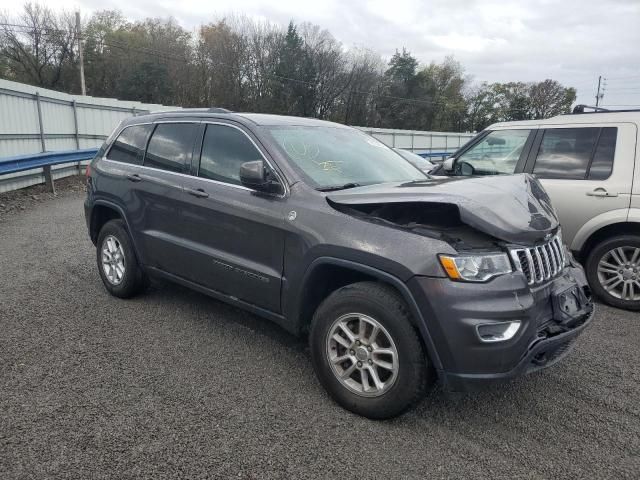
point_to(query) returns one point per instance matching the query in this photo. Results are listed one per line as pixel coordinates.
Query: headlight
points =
(475, 268)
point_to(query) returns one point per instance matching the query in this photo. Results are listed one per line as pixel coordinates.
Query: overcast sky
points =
(572, 41)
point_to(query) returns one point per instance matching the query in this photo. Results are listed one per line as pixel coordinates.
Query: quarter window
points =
(224, 150)
(171, 146)
(602, 164)
(129, 146)
(576, 153)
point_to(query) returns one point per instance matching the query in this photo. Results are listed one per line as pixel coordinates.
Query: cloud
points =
(572, 41)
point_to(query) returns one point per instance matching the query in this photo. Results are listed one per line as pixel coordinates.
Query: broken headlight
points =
(475, 268)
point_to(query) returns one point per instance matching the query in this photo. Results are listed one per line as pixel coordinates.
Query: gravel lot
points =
(175, 384)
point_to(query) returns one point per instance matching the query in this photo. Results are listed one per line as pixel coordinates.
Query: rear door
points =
(159, 197)
(120, 177)
(235, 235)
(586, 169)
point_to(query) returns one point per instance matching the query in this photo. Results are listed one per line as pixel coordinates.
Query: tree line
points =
(248, 65)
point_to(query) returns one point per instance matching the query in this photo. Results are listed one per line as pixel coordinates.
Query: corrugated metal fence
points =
(35, 120)
(419, 141)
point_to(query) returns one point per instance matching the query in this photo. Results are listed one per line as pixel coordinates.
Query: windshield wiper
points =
(338, 187)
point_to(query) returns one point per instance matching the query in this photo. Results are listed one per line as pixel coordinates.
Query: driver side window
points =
(224, 150)
(496, 153)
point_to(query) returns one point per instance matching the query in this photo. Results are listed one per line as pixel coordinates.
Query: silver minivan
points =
(587, 162)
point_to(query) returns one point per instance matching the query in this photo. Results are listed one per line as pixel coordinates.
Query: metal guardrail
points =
(436, 155)
(45, 161)
(21, 163)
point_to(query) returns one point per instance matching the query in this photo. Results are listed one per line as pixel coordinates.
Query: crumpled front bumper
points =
(452, 311)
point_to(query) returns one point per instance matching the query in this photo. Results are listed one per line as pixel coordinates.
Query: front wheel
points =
(366, 352)
(613, 270)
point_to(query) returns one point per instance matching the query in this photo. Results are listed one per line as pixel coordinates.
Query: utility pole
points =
(599, 95)
(79, 36)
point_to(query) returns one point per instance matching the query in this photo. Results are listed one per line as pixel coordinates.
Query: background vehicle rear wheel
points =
(613, 270)
(117, 263)
(366, 351)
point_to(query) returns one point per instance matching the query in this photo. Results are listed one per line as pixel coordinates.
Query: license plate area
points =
(569, 303)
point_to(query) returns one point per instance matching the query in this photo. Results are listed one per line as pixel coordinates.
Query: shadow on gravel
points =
(172, 294)
(436, 404)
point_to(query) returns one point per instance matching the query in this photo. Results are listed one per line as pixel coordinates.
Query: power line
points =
(163, 55)
(167, 56)
(626, 89)
(624, 78)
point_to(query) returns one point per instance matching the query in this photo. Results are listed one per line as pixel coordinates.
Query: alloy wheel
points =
(113, 263)
(362, 354)
(619, 273)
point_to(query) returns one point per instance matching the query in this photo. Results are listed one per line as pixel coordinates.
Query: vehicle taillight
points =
(87, 171)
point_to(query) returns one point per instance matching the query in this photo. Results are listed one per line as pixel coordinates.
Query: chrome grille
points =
(540, 263)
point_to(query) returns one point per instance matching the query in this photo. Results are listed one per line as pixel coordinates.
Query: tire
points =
(114, 236)
(377, 302)
(623, 247)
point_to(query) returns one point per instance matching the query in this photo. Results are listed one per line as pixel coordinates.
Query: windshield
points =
(332, 157)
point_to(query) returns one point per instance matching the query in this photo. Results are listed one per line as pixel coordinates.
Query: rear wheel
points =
(117, 263)
(366, 352)
(613, 269)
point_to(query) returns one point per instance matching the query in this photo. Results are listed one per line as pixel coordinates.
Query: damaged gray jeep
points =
(397, 279)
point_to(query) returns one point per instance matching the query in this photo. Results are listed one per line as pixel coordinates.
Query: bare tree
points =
(550, 98)
(39, 46)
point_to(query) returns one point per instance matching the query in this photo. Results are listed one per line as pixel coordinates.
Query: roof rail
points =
(196, 110)
(580, 109)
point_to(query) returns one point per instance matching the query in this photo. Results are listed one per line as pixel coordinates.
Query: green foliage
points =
(246, 65)
(501, 102)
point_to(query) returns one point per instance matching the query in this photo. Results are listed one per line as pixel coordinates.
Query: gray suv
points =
(396, 278)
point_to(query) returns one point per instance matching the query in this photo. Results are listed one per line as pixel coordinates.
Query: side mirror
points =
(256, 176)
(447, 165)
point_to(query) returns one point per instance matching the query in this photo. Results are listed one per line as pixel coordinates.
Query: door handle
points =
(197, 192)
(601, 192)
(134, 177)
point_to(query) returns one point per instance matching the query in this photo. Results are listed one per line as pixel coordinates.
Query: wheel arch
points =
(604, 232)
(103, 211)
(326, 274)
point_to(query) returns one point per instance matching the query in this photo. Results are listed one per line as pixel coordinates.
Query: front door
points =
(235, 235)
(498, 152)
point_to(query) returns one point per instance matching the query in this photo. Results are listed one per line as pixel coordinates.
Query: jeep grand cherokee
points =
(396, 278)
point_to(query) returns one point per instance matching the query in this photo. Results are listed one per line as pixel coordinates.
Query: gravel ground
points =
(175, 384)
(19, 200)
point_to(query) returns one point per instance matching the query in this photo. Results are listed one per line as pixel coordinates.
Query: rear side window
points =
(171, 146)
(224, 149)
(602, 164)
(129, 146)
(574, 153)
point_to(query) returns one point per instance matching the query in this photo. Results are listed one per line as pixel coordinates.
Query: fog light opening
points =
(498, 332)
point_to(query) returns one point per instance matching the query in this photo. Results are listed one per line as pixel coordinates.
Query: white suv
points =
(587, 162)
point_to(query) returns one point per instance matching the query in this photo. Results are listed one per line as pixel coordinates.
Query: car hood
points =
(513, 208)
